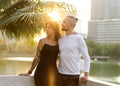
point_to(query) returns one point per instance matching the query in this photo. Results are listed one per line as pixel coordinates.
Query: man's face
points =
(66, 24)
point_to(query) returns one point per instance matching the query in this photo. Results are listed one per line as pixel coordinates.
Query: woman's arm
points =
(35, 60)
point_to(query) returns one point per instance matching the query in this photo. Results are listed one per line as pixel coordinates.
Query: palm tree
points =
(25, 18)
(4, 4)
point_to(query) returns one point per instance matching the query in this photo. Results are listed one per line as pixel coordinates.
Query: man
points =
(72, 46)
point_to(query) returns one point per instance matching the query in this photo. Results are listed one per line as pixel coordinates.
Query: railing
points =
(29, 81)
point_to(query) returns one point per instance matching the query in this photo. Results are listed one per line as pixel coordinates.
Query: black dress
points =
(46, 73)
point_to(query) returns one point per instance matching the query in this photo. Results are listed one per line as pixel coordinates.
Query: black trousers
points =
(68, 80)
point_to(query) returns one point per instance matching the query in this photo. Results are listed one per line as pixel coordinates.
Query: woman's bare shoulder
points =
(42, 40)
(41, 43)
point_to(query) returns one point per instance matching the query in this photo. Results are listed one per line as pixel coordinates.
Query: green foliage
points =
(23, 47)
(3, 46)
(4, 4)
(25, 18)
(13, 20)
(96, 49)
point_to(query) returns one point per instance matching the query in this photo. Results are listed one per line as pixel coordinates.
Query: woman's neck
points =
(51, 37)
(51, 40)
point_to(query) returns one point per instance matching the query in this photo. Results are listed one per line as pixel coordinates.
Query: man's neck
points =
(71, 31)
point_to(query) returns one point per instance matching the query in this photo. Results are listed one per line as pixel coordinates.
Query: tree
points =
(26, 17)
(94, 48)
(4, 4)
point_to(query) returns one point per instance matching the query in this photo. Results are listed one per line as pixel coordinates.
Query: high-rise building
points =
(104, 26)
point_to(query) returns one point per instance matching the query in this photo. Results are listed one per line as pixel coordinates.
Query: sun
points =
(55, 15)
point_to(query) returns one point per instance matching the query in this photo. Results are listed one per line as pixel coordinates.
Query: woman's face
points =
(49, 29)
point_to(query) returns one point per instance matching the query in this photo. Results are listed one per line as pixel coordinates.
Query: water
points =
(14, 66)
(106, 70)
(102, 70)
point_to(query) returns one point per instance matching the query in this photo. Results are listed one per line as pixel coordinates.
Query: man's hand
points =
(83, 80)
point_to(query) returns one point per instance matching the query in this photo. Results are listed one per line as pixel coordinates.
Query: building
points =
(104, 26)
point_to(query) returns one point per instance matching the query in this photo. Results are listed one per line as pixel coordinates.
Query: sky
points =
(83, 13)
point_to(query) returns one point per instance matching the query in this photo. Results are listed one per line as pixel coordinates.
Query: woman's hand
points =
(24, 74)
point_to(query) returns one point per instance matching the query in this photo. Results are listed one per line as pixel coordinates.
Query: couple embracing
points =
(69, 48)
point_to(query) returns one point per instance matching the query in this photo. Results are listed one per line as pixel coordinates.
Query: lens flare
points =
(55, 15)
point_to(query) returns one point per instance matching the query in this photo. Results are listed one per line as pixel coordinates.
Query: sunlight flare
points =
(55, 15)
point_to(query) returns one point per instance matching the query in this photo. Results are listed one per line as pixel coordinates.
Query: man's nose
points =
(62, 24)
(46, 29)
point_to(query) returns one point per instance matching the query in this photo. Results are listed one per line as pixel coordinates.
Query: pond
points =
(106, 70)
(14, 65)
(102, 70)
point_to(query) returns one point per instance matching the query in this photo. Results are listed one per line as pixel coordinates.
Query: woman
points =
(47, 51)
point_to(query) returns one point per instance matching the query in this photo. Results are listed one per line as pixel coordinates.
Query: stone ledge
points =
(16, 81)
(8, 80)
(93, 82)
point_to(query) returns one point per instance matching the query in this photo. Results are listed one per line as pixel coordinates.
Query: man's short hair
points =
(72, 17)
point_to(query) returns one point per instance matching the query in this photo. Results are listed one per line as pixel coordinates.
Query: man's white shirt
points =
(72, 47)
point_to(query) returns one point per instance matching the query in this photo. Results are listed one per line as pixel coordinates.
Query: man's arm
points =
(84, 51)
